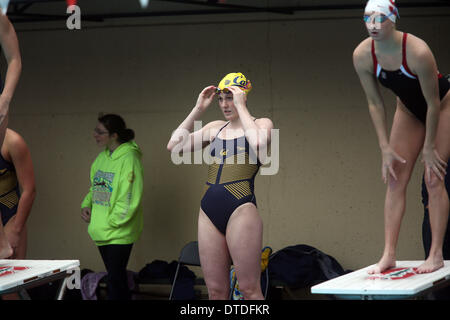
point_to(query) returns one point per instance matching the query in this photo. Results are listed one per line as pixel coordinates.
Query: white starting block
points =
(19, 275)
(401, 282)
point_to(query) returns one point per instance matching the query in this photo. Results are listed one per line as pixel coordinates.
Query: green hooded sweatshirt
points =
(115, 196)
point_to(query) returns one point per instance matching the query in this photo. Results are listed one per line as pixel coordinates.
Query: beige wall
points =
(328, 192)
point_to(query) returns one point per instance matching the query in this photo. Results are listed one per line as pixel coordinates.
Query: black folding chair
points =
(188, 256)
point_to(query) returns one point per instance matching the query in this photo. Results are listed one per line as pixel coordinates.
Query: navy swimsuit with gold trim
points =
(9, 190)
(9, 186)
(231, 179)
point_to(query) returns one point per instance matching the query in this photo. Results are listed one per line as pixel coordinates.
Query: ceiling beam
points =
(233, 6)
(17, 12)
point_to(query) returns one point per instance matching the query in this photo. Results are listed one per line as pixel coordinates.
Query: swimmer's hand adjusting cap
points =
(234, 79)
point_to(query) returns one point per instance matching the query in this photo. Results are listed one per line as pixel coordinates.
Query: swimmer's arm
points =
(180, 137)
(262, 127)
(424, 65)
(10, 45)
(363, 66)
(183, 139)
(21, 158)
(257, 131)
(265, 127)
(184, 129)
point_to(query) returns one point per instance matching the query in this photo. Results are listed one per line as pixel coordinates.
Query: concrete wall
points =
(328, 192)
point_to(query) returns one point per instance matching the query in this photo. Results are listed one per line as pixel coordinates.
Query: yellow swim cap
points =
(234, 79)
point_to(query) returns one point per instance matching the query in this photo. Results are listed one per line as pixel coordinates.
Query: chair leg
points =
(267, 283)
(23, 294)
(62, 290)
(174, 280)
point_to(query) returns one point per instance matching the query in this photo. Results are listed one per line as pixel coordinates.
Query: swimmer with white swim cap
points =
(405, 64)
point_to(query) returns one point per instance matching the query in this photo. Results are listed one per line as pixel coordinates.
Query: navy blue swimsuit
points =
(9, 190)
(9, 186)
(406, 85)
(231, 179)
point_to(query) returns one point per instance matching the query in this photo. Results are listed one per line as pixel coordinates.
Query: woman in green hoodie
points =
(113, 206)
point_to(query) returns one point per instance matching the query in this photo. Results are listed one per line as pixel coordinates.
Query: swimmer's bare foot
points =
(386, 262)
(432, 264)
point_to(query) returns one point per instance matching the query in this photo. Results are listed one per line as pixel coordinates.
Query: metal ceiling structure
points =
(101, 10)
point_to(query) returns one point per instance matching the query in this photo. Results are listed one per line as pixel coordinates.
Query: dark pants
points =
(444, 293)
(426, 237)
(115, 257)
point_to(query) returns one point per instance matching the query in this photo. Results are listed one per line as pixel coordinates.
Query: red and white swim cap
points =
(386, 7)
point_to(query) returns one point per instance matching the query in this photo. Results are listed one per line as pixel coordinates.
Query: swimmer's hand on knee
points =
(389, 158)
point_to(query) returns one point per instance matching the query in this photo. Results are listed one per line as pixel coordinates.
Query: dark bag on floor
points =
(158, 269)
(302, 266)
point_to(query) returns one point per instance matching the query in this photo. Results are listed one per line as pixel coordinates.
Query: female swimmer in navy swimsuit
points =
(229, 226)
(10, 48)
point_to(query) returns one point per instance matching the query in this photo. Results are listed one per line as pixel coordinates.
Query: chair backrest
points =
(189, 254)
